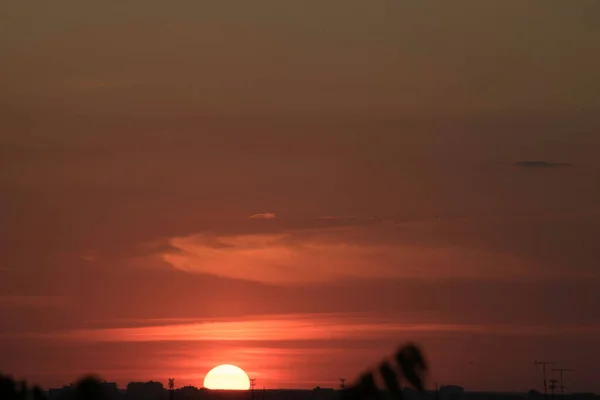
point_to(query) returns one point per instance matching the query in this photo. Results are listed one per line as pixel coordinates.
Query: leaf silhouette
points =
(413, 365)
(364, 389)
(390, 380)
(368, 387)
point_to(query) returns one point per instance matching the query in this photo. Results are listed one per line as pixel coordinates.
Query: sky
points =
(297, 188)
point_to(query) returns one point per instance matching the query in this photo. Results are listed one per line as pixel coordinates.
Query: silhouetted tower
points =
(561, 370)
(342, 385)
(252, 385)
(543, 364)
(171, 388)
(552, 387)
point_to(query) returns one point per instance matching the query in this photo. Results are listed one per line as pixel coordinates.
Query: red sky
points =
(298, 188)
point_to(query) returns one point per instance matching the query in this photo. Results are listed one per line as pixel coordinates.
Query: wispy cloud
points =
(263, 216)
(319, 255)
(90, 256)
(332, 218)
(298, 327)
(540, 164)
(95, 85)
(32, 301)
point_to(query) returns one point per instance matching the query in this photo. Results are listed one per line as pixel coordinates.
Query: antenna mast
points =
(552, 387)
(561, 370)
(252, 385)
(543, 364)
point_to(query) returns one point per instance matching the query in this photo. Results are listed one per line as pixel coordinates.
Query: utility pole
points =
(543, 364)
(552, 387)
(561, 370)
(252, 384)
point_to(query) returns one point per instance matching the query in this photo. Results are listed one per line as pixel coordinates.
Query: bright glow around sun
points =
(227, 377)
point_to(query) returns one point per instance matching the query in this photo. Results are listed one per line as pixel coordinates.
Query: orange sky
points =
(298, 188)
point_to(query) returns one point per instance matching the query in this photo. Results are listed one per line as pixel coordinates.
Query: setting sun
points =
(227, 377)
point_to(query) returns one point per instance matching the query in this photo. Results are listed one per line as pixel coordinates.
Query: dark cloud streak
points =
(541, 164)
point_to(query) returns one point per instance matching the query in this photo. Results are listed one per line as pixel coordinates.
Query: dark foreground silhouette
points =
(89, 388)
(408, 361)
(407, 366)
(11, 389)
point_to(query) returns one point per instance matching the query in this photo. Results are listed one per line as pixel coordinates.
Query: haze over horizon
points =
(297, 188)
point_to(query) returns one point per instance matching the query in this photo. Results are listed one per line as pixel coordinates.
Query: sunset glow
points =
(298, 187)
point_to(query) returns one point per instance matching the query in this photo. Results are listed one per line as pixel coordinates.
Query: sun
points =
(227, 377)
